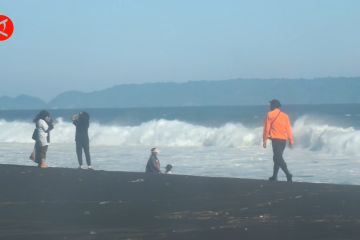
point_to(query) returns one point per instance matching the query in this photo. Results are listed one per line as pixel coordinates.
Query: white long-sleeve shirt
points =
(42, 127)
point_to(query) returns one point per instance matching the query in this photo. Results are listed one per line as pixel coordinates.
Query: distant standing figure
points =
(153, 164)
(44, 125)
(277, 127)
(168, 169)
(82, 122)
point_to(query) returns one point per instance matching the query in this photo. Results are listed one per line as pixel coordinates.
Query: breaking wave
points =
(309, 134)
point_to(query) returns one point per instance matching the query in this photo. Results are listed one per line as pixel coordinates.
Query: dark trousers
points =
(40, 153)
(80, 145)
(278, 146)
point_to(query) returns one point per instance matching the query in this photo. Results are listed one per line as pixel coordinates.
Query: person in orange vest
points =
(277, 128)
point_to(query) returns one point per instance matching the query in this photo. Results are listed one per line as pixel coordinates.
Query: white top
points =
(42, 127)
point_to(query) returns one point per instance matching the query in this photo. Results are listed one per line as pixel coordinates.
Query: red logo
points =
(6, 28)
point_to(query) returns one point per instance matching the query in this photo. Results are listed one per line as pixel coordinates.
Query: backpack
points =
(35, 134)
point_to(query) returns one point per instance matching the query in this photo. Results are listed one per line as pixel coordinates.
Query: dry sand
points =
(58, 203)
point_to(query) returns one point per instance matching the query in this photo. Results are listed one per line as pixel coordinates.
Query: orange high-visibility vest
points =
(277, 126)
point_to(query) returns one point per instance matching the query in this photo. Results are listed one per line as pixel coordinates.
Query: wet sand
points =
(58, 203)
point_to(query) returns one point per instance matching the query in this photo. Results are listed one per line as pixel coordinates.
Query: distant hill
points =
(202, 93)
(227, 92)
(21, 102)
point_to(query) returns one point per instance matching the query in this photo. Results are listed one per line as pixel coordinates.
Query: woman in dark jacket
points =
(81, 121)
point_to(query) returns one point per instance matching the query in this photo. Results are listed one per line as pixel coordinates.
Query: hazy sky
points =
(91, 45)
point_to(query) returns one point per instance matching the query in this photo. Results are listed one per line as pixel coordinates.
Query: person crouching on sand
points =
(44, 125)
(153, 164)
(82, 121)
(168, 169)
(277, 127)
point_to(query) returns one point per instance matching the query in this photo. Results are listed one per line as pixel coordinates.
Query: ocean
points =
(203, 141)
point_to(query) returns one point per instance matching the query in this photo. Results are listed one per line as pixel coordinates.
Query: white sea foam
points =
(326, 138)
(323, 153)
(309, 134)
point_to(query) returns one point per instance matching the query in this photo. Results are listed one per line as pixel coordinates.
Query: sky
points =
(83, 45)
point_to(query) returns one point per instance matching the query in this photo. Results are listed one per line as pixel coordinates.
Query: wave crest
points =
(309, 134)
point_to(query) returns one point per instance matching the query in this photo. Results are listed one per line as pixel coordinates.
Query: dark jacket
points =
(153, 164)
(82, 127)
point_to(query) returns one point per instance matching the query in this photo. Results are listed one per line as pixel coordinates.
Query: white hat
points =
(155, 150)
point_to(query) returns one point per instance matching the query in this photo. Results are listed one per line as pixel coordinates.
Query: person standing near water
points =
(277, 127)
(44, 125)
(82, 122)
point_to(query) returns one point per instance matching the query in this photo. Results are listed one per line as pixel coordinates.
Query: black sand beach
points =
(57, 203)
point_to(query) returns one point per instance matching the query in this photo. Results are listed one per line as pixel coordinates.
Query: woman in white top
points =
(43, 127)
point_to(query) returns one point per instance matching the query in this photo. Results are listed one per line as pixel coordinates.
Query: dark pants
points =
(40, 153)
(278, 146)
(80, 145)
